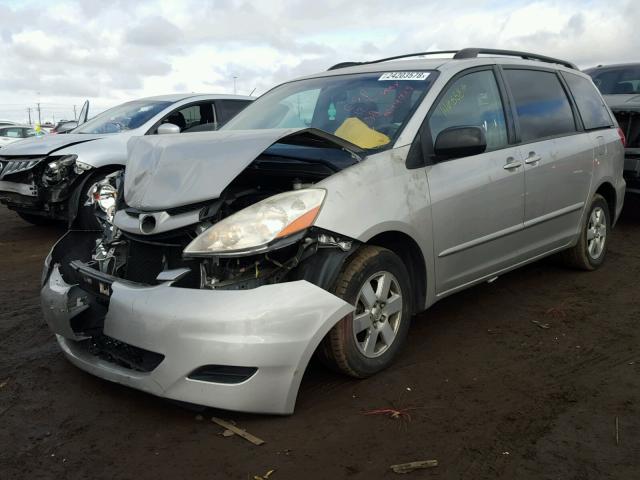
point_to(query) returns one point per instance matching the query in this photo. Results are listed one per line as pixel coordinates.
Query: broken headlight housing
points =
(56, 170)
(252, 230)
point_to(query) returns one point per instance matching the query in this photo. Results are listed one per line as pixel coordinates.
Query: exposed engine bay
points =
(143, 253)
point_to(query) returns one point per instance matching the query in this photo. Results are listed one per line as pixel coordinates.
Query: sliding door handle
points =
(532, 159)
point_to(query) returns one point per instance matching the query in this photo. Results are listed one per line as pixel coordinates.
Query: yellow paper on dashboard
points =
(359, 133)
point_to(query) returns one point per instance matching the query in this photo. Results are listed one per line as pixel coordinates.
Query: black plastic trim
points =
(228, 374)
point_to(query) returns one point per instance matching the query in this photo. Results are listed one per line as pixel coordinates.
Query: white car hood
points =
(46, 144)
(167, 171)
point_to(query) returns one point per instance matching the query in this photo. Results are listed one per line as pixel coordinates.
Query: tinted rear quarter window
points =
(542, 105)
(227, 109)
(592, 109)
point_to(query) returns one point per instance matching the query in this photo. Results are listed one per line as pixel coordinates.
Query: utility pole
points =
(234, 84)
(29, 113)
(39, 117)
(75, 115)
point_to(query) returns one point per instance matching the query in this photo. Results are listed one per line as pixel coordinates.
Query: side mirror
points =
(167, 128)
(455, 142)
(67, 127)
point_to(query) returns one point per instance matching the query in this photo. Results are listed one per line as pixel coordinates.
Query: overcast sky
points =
(109, 51)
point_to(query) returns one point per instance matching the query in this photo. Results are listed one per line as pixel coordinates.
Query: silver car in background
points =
(49, 178)
(325, 215)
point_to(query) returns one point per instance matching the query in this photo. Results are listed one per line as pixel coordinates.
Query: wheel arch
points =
(74, 200)
(608, 192)
(409, 252)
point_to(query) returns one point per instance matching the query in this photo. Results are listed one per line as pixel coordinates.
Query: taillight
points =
(623, 139)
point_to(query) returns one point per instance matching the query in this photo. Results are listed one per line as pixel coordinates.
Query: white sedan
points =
(13, 133)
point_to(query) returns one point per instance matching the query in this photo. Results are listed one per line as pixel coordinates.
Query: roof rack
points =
(474, 52)
(397, 57)
(467, 53)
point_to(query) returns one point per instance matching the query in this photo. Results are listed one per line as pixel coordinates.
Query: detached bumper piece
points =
(237, 350)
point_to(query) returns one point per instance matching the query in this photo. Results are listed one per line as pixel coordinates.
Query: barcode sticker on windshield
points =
(404, 76)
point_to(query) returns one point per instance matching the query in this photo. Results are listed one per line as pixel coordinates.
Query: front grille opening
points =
(121, 353)
(222, 374)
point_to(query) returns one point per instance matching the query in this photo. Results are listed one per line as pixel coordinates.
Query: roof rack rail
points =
(474, 52)
(465, 53)
(397, 57)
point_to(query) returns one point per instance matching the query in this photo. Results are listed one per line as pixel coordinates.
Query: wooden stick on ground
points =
(411, 466)
(246, 435)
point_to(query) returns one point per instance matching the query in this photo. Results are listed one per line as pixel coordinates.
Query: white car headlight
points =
(56, 170)
(253, 228)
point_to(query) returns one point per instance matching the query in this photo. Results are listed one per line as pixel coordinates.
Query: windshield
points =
(617, 80)
(127, 116)
(368, 110)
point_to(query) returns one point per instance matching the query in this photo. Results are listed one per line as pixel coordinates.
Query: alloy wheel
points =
(596, 233)
(378, 314)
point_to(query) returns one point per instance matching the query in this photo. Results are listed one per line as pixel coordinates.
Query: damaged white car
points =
(326, 214)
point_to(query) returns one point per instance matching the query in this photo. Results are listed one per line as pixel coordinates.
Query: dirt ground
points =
(493, 394)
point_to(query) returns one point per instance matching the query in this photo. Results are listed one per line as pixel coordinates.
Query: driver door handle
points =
(512, 164)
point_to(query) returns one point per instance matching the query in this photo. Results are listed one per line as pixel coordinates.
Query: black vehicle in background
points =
(620, 87)
(64, 126)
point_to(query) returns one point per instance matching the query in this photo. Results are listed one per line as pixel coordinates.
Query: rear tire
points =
(590, 251)
(368, 340)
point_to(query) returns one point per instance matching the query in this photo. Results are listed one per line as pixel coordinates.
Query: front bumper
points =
(24, 189)
(275, 328)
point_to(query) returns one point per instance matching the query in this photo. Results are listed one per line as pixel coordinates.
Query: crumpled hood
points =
(621, 102)
(167, 171)
(46, 144)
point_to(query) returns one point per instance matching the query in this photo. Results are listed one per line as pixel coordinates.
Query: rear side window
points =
(592, 109)
(227, 109)
(541, 103)
(12, 133)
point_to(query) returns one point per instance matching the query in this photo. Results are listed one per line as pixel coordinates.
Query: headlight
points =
(56, 169)
(253, 228)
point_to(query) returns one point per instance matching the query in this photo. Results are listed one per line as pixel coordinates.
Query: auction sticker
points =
(404, 76)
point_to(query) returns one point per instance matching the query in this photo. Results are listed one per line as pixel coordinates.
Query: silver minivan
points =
(326, 214)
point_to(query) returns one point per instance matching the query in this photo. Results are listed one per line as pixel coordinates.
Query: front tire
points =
(366, 341)
(590, 251)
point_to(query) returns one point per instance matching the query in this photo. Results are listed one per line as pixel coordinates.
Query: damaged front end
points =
(241, 280)
(258, 231)
(40, 185)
